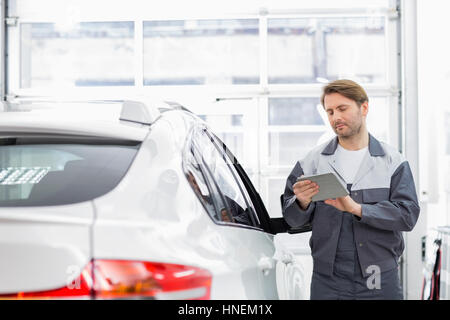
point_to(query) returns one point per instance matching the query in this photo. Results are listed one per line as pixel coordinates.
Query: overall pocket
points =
(385, 238)
(325, 219)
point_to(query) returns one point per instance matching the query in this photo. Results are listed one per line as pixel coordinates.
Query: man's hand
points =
(346, 204)
(304, 191)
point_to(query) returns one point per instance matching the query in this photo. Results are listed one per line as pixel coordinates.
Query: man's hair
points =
(348, 88)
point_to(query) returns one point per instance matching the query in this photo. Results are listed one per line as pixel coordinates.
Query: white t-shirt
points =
(348, 162)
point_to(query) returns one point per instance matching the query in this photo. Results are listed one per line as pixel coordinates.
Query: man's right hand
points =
(304, 191)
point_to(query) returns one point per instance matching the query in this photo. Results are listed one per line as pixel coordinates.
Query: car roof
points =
(94, 119)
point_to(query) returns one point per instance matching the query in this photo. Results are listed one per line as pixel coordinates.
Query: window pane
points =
(207, 192)
(285, 148)
(222, 149)
(198, 52)
(294, 111)
(35, 174)
(290, 51)
(86, 54)
(241, 211)
(305, 50)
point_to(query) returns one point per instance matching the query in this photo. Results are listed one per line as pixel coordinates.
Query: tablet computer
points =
(329, 186)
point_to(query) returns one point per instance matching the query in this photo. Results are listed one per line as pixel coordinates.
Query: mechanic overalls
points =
(347, 282)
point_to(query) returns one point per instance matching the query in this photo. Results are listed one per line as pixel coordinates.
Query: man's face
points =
(345, 117)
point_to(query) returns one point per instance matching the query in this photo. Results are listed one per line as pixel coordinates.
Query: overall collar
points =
(375, 148)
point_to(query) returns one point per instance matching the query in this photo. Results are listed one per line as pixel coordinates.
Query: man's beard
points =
(353, 130)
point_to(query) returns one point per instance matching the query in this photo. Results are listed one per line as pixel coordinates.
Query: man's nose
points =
(335, 117)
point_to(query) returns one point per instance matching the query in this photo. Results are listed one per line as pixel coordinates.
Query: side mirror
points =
(279, 225)
(302, 229)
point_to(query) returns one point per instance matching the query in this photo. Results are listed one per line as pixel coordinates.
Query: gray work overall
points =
(347, 281)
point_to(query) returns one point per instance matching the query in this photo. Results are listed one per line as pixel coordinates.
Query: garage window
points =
(82, 55)
(201, 52)
(48, 172)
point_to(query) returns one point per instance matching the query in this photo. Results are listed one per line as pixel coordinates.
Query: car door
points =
(249, 268)
(290, 273)
(245, 225)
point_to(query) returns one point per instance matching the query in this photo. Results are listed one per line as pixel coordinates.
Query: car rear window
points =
(48, 171)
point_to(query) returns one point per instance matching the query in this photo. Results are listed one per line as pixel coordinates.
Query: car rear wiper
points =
(33, 138)
(8, 141)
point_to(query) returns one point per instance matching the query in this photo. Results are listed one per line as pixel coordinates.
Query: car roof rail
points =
(177, 106)
(141, 112)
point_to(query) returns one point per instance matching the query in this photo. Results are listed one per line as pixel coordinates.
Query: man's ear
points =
(365, 108)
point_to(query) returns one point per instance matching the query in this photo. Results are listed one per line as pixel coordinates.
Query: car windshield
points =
(48, 171)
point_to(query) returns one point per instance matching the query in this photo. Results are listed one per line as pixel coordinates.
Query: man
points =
(356, 240)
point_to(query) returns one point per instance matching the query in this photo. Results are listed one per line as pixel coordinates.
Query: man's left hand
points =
(345, 204)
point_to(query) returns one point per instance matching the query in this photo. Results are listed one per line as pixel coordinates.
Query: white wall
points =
(433, 84)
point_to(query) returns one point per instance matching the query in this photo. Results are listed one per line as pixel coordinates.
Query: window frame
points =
(222, 149)
(27, 15)
(266, 222)
(190, 145)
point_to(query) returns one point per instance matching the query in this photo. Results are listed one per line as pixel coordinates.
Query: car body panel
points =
(43, 248)
(70, 121)
(151, 215)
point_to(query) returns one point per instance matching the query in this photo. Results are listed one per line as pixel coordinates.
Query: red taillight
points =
(118, 279)
(128, 279)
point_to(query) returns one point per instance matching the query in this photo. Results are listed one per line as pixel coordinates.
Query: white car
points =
(145, 204)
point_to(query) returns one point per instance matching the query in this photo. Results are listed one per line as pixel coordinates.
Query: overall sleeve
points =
(401, 212)
(292, 213)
